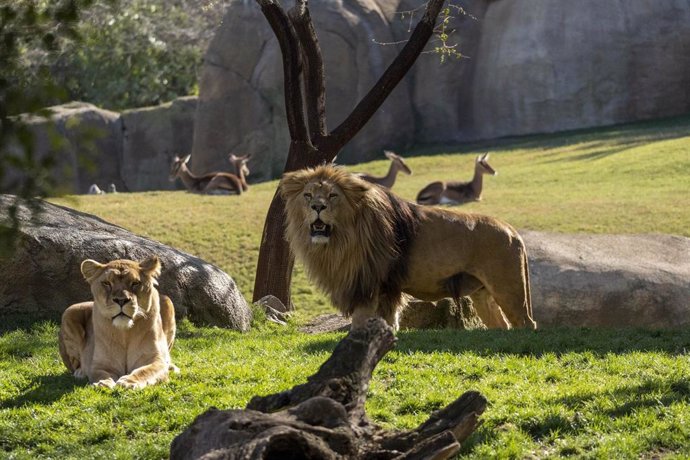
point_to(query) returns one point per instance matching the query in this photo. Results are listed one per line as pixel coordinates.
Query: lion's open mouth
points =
(320, 229)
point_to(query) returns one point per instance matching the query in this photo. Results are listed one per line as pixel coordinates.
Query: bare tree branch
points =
(292, 67)
(313, 71)
(391, 77)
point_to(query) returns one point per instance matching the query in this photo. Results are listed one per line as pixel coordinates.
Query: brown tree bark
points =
(324, 418)
(311, 144)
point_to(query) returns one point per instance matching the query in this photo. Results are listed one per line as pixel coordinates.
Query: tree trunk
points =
(311, 144)
(324, 418)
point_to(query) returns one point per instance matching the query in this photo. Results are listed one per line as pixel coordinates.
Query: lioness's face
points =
(321, 199)
(118, 286)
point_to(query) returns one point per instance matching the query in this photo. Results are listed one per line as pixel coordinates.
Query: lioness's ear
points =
(151, 267)
(292, 184)
(90, 268)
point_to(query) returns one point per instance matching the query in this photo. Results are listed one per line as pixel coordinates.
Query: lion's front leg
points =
(360, 316)
(145, 375)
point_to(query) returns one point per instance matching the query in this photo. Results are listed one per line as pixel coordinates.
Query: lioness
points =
(365, 247)
(125, 335)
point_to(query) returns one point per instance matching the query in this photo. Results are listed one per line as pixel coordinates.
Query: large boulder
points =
(42, 276)
(609, 280)
(579, 281)
(533, 66)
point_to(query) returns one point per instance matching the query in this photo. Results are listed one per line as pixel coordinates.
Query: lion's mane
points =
(366, 257)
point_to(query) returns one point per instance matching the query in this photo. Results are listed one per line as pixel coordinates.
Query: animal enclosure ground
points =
(623, 179)
(587, 393)
(582, 392)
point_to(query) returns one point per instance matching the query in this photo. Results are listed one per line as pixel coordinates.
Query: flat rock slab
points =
(609, 280)
(42, 275)
(583, 281)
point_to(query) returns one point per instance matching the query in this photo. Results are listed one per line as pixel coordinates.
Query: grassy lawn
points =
(587, 393)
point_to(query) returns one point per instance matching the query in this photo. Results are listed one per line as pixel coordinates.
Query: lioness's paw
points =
(129, 383)
(80, 373)
(108, 383)
(174, 369)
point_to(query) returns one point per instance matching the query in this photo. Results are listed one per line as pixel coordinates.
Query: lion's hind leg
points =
(509, 286)
(169, 326)
(464, 284)
(72, 336)
(168, 320)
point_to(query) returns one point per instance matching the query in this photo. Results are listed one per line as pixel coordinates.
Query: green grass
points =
(586, 393)
(583, 392)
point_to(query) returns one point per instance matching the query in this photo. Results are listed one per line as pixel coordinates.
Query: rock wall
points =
(132, 149)
(532, 66)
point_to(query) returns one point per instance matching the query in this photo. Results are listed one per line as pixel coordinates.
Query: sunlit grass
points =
(584, 392)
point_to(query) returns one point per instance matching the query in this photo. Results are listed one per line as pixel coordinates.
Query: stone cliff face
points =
(552, 65)
(532, 66)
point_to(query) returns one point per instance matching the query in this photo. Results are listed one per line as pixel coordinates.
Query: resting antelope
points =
(241, 168)
(211, 183)
(397, 164)
(458, 192)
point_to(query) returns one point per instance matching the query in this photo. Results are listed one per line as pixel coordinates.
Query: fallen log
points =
(324, 418)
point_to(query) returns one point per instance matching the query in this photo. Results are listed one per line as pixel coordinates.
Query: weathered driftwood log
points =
(325, 419)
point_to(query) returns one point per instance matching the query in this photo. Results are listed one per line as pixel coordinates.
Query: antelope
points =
(241, 168)
(458, 192)
(211, 183)
(397, 164)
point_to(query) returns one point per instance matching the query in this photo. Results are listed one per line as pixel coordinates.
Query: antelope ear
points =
(151, 267)
(485, 156)
(186, 159)
(390, 155)
(90, 269)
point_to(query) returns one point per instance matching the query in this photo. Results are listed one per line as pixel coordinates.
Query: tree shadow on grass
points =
(661, 392)
(598, 341)
(613, 139)
(44, 390)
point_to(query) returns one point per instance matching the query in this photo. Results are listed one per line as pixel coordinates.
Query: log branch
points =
(344, 377)
(391, 77)
(324, 418)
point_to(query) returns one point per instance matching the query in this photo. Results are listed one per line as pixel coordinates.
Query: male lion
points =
(125, 335)
(365, 247)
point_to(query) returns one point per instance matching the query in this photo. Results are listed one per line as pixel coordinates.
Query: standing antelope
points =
(211, 183)
(397, 164)
(458, 192)
(241, 168)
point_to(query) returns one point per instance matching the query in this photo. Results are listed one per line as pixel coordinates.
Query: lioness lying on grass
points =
(124, 336)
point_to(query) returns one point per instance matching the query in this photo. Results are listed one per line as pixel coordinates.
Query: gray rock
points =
(444, 314)
(609, 280)
(552, 65)
(42, 276)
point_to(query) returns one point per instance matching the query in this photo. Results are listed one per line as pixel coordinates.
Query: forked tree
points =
(311, 143)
